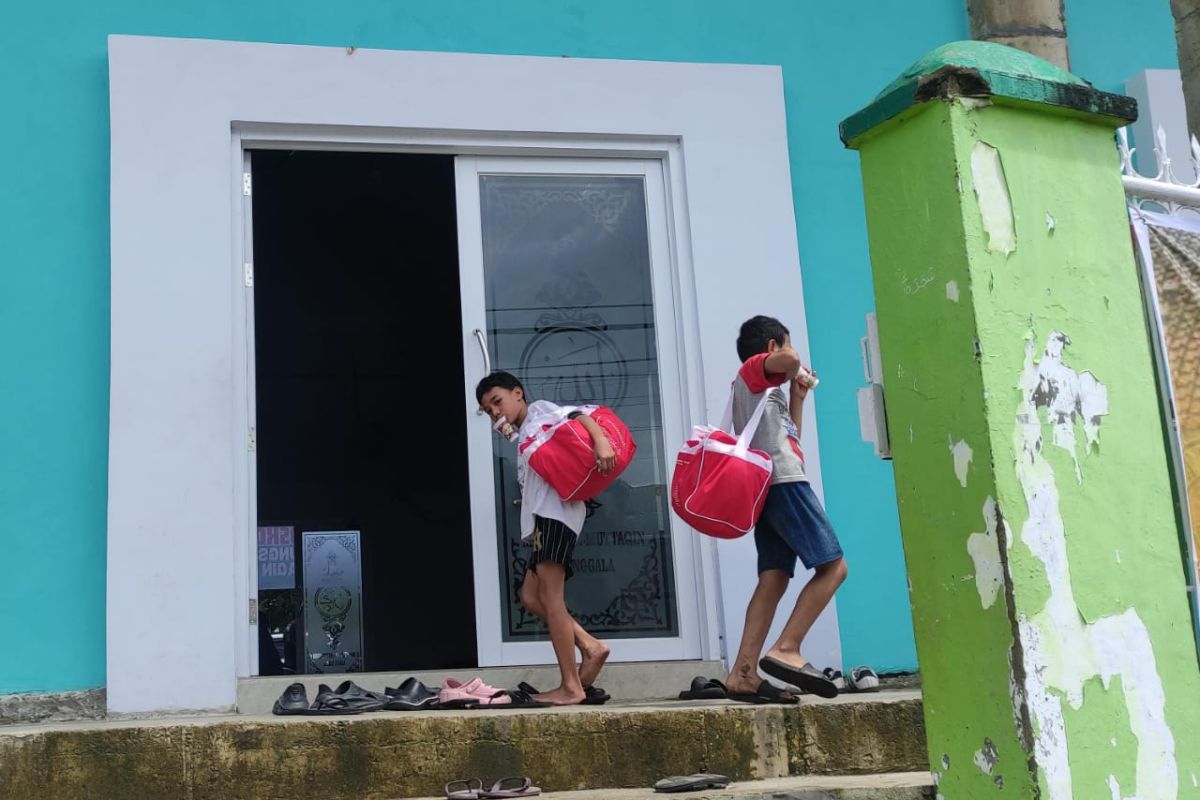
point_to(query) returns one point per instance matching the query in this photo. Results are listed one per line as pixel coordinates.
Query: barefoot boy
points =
(550, 525)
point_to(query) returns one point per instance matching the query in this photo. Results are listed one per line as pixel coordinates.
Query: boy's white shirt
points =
(537, 496)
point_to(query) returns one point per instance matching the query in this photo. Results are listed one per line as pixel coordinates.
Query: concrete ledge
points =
(52, 707)
(398, 754)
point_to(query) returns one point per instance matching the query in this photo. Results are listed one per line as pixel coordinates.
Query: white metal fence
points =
(1165, 200)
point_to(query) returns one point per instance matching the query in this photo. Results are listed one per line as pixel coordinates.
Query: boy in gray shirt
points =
(793, 524)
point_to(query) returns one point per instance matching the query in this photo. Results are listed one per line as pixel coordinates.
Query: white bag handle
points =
(747, 434)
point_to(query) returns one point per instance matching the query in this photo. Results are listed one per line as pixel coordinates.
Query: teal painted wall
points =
(1113, 40)
(54, 275)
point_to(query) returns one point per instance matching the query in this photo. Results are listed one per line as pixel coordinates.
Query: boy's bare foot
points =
(793, 669)
(592, 662)
(790, 657)
(561, 697)
(743, 680)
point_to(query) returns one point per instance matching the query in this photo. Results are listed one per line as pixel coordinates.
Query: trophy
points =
(333, 605)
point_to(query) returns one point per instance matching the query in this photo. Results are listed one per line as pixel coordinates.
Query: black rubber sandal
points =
(703, 688)
(808, 677)
(518, 699)
(766, 693)
(294, 700)
(592, 695)
(328, 704)
(691, 783)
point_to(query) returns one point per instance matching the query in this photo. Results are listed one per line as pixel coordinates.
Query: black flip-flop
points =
(517, 698)
(808, 677)
(691, 783)
(767, 692)
(705, 689)
(592, 695)
(595, 696)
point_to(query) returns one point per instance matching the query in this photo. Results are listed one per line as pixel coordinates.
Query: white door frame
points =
(694, 559)
(181, 524)
(493, 650)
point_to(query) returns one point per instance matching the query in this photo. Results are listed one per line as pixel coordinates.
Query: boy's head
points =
(502, 395)
(756, 336)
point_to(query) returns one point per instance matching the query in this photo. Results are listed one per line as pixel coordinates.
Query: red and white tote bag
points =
(564, 455)
(720, 484)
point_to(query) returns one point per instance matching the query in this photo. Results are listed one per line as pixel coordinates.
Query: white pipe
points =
(1147, 189)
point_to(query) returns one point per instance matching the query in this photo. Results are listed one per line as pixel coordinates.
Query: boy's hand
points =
(606, 457)
(799, 385)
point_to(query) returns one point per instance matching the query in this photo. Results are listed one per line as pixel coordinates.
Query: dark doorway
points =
(357, 322)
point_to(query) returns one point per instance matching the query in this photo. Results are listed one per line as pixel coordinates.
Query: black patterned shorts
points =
(552, 541)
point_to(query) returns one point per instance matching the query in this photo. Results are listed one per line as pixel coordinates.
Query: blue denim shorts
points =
(792, 525)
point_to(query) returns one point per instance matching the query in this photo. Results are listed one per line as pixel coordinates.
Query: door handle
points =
(487, 360)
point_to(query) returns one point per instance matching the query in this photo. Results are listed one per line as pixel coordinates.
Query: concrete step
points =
(894, 786)
(410, 754)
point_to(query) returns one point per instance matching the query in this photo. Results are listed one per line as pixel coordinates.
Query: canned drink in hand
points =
(807, 378)
(505, 429)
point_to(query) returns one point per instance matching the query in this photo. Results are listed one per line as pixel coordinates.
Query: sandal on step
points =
(835, 677)
(691, 783)
(595, 696)
(808, 677)
(703, 688)
(468, 789)
(519, 786)
(359, 697)
(294, 700)
(592, 695)
(510, 698)
(767, 692)
(328, 703)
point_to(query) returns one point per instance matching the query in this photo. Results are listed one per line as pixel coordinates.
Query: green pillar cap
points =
(986, 70)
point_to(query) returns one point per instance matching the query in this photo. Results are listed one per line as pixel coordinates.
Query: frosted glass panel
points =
(570, 312)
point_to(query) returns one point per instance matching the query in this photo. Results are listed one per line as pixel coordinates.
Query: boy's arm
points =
(797, 392)
(784, 361)
(606, 457)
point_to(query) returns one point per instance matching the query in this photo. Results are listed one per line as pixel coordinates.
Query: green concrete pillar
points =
(1048, 592)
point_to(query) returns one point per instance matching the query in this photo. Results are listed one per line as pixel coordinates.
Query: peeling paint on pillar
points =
(1058, 630)
(995, 206)
(1063, 650)
(985, 554)
(961, 452)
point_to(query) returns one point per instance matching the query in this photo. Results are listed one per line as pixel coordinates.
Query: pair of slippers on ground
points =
(412, 695)
(692, 783)
(827, 683)
(477, 694)
(350, 698)
(347, 698)
(472, 789)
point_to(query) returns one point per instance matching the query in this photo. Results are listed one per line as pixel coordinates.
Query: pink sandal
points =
(475, 694)
(456, 694)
